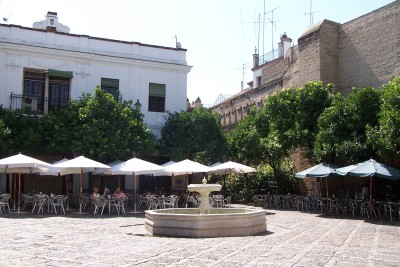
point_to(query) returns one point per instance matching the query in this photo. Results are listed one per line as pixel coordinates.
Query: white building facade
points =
(43, 67)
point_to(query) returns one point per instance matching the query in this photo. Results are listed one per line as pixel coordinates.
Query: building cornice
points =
(88, 57)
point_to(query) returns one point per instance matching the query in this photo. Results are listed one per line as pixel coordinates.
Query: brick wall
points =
(370, 48)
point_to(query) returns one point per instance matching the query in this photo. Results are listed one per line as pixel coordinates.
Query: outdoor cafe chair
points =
(353, 207)
(377, 206)
(4, 203)
(121, 203)
(99, 203)
(390, 210)
(151, 202)
(59, 202)
(113, 204)
(218, 201)
(364, 209)
(41, 201)
(142, 201)
(227, 202)
(171, 201)
(27, 201)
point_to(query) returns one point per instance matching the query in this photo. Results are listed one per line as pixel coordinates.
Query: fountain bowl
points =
(205, 221)
(216, 222)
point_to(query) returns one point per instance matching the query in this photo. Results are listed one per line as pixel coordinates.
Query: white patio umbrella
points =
(22, 164)
(135, 167)
(232, 167)
(54, 171)
(79, 165)
(185, 167)
(161, 172)
(107, 171)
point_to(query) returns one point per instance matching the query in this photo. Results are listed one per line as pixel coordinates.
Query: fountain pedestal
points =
(204, 190)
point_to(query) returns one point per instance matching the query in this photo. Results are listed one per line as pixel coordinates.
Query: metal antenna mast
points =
(311, 14)
(273, 23)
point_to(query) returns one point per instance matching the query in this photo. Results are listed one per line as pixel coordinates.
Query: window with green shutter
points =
(156, 97)
(110, 86)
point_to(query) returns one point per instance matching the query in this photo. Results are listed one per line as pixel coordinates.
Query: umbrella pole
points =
(326, 182)
(80, 192)
(66, 187)
(230, 181)
(134, 192)
(19, 190)
(186, 185)
(15, 189)
(370, 194)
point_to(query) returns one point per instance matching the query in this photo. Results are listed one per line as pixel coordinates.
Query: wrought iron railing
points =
(274, 54)
(34, 104)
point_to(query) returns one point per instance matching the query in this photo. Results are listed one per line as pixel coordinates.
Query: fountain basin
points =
(215, 222)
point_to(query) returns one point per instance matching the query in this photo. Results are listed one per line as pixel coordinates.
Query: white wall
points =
(135, 65)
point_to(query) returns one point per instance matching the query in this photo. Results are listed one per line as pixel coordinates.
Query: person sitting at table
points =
(95, 193)
(118, 193)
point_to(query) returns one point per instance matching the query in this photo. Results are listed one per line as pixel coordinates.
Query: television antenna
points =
(255, 22)
(273, 25)
(244, 66)
(311, 13)
(5, 18)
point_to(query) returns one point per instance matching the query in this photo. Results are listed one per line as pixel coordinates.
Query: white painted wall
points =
(90, 59)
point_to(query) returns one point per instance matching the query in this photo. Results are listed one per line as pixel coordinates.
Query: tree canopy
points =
(100, 127)
(342, 127)
(195, 135)
(385, 137)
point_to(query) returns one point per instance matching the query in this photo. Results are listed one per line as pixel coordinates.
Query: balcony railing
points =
(35, 105)
(274, 54)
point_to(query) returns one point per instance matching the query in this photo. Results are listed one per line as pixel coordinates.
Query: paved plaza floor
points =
(293, 239)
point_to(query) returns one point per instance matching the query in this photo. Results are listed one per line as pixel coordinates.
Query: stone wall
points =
(329, 52)
(369, 51)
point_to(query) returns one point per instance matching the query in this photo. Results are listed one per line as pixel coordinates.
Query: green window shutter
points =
(156, 89)
(60, 74)
(114, 83)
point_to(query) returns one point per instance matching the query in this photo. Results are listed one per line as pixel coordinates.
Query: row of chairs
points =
(153, 202)
(352, 207)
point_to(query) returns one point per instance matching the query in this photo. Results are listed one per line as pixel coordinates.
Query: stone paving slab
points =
(293, 239)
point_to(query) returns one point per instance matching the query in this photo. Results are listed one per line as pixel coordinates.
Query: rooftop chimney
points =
(51, 24)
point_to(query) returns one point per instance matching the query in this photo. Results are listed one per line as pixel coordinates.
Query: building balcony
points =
(274, 54)
(35, 105)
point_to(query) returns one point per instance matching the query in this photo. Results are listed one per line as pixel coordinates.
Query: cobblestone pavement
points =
(293, 239)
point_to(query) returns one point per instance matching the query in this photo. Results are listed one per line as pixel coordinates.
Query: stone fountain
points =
(205, 221)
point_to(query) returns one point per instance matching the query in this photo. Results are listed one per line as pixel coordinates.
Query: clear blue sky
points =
(220, 35)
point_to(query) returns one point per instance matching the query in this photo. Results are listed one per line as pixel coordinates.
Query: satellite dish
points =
(178, 45)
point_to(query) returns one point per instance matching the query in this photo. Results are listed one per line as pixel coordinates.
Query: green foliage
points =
(292, 114)
(195, 135)
(265, 180)
(342, 127)
(107, 129)
(385, 137)
(21, 133)
(244, 141)
(99, 127)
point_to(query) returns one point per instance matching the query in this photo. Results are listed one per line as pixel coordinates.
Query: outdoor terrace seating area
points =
(335, 206)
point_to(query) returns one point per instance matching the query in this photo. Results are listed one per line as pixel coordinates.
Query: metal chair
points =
(4, 202)
(99, 203)
(59, 202)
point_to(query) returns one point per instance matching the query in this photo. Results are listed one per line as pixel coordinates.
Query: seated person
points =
(118, 193)
(95, 193)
